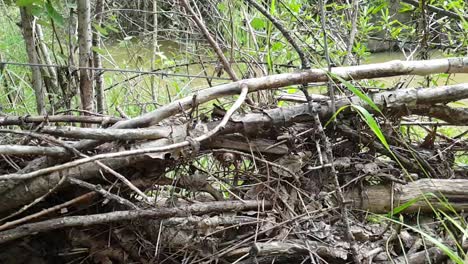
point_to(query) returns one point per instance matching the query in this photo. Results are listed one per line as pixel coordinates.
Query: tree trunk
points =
(84, 41)
(27, 22)
(155, 48)
(49, 73)
(97, 59)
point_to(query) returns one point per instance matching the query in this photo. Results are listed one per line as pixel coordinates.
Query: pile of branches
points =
(254, 186)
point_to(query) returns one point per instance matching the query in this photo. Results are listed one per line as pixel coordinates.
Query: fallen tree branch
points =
(252, 124)
(19, 150)
(392, 99)
(378, 198)
(453, 116)
(104, 193)
(108, 134)
(186, 143)
(293, 247)
(20, 120)
(388, 69)
(159, 213)
(84, 197)
(14, 194)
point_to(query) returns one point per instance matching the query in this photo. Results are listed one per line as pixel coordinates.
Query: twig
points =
(256, 158)
(160, 213)
(20, 120)
(284, 32)
(352, 32)
(217, 49)
(106, 194)
(20, 150)
(331, 89)
(107, 134)
(36, 201)
(28, 218)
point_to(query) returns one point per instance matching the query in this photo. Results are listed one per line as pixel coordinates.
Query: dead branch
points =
(251, 124)
(118, 216)
(21, 120)
(388, 69)
(378, 199)
(19, 150)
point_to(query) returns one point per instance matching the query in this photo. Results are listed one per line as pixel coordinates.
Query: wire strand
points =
(75, 68)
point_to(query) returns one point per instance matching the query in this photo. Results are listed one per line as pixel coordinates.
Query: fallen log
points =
(438, 192)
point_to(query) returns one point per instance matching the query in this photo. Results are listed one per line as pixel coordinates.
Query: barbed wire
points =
(75, 68)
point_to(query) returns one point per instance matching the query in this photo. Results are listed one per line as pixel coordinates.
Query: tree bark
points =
(27, 25)
(84, 40)
(100, 101)
(378, 198)
(50, 71)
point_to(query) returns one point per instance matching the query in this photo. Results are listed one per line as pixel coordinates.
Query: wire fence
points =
(76, 68)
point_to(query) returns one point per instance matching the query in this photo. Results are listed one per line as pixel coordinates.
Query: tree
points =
(27, 26)
(84, 40)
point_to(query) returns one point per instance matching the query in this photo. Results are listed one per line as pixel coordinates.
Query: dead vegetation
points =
(256, 186)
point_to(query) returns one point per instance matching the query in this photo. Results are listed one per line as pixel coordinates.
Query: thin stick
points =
(206, 33)
(20, 120)
(28, 218)
(106, 194)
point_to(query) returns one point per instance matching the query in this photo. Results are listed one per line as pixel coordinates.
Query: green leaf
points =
(370, 121)
(53, 14)
(98, 50)
(277, 46)
(258, 23)
(222, 7)
(292, 90)
(112, 28)
(404, 206)
(294, 6)
(405, 8)
(100, 29)
(36, 10)
(336, 114)
(357, 92)
(25, 3)
(449, 252)
(456, 224)
(273, 7)
(458, 104)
